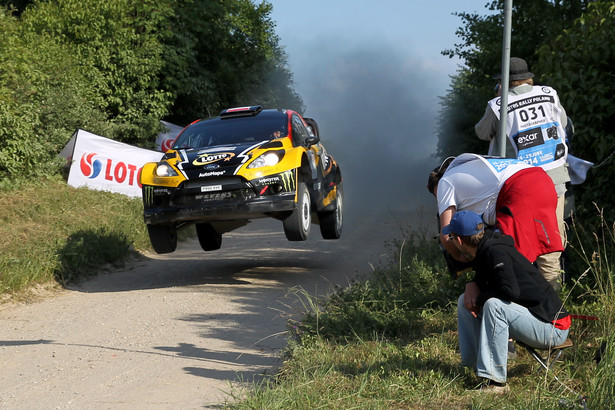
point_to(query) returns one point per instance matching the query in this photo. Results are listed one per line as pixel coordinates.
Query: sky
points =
(371, 73)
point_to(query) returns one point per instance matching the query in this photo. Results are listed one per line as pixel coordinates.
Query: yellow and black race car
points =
(247, 163)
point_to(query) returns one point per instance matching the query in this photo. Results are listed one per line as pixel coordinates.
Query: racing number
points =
(531, 113)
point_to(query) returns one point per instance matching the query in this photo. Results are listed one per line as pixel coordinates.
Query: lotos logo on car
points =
(90, 168)
(118, 171)
(214, 157)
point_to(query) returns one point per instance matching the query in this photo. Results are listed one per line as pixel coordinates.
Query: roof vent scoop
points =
(241, 112)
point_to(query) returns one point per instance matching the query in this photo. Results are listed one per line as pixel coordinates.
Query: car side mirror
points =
(309, 141)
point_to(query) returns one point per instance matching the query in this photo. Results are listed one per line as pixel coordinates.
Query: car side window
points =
(299, 131)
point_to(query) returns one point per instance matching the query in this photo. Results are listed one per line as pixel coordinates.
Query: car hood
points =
(215, 161)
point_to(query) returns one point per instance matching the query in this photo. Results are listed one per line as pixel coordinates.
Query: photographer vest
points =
(534, 127)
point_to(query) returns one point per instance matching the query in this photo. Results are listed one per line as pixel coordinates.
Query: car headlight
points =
(165, 170)
(267, 159)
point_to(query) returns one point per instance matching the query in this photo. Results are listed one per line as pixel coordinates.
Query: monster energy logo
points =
(148, 195)
(288, 178)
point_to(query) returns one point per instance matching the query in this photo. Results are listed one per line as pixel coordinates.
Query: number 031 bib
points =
(534, 127)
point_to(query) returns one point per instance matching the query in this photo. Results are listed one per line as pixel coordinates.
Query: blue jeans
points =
(483, 341)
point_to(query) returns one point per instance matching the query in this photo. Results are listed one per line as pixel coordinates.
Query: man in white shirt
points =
(514, 197)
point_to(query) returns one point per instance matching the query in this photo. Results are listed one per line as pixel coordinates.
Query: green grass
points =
(389, 341)
(52, 233)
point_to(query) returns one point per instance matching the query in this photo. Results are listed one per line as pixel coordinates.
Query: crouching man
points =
(508, 298)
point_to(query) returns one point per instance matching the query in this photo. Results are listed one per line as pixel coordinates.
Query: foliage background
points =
(568, 45)
(118, 67)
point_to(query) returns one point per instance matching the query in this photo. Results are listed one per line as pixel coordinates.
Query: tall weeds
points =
(595, 249)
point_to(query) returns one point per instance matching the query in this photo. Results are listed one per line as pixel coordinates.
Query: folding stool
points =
(553, 354)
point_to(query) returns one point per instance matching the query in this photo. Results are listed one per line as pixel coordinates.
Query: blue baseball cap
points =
(464, 223)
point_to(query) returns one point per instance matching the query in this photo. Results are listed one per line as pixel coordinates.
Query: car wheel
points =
(297, 225)
(331, 222)
(209, 238)
(163, 238)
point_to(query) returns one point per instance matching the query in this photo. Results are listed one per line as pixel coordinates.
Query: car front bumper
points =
(221, 210)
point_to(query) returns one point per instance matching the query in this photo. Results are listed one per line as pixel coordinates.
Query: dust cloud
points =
(377, 113)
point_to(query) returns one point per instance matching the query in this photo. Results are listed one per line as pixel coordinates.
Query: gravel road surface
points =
(180, 330)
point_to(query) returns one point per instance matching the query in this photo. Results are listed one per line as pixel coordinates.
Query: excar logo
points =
(118, 172)
(206, 158)
(529, 138)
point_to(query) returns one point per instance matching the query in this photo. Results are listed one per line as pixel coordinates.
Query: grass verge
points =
(389, 341)
(51, 233)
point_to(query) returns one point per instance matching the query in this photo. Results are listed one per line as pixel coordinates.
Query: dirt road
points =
(175, 331)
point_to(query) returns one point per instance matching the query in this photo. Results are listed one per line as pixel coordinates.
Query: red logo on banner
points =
(167, 144)
(119, 172)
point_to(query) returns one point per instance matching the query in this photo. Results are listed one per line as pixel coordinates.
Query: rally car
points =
(247, 163)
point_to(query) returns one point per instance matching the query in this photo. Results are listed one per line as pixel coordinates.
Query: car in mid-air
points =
(244, 164)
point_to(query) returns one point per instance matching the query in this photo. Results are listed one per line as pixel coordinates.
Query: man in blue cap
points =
(508, 298)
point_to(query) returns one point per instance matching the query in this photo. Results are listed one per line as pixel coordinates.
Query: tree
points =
(224, 53)
(580, 62)
(44, 97)
(120, 42)
(534, 22)
(117, 67)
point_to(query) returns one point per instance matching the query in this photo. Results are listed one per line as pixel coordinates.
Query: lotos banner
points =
(107, 165)
(166, 139)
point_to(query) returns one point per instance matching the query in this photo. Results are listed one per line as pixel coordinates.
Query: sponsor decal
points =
(288, 180)
(150, 191)
(269, 180)
(501, 164)
(208, 158)
(115, 171)
(211, 174)
(214, 197)
(529, 138)
(148, 195)
(560, 151)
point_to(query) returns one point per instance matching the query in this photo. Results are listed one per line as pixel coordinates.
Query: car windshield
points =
(232, 131)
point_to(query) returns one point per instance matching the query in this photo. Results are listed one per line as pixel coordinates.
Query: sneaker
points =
(494, 387)
(512, 350)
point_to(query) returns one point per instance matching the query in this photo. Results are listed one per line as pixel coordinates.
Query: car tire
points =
(209, 238)
(163, 238)
(331, 221)
(297, 225)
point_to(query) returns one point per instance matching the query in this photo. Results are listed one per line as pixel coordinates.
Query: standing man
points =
(508, 298)
(515, 197)
(536, 124)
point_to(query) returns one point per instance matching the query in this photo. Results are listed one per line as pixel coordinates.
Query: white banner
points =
(166, 139)
(107, 165)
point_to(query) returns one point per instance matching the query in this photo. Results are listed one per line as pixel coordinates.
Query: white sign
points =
(106, 165)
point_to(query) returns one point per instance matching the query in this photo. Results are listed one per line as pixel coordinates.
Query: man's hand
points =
(469, 298)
